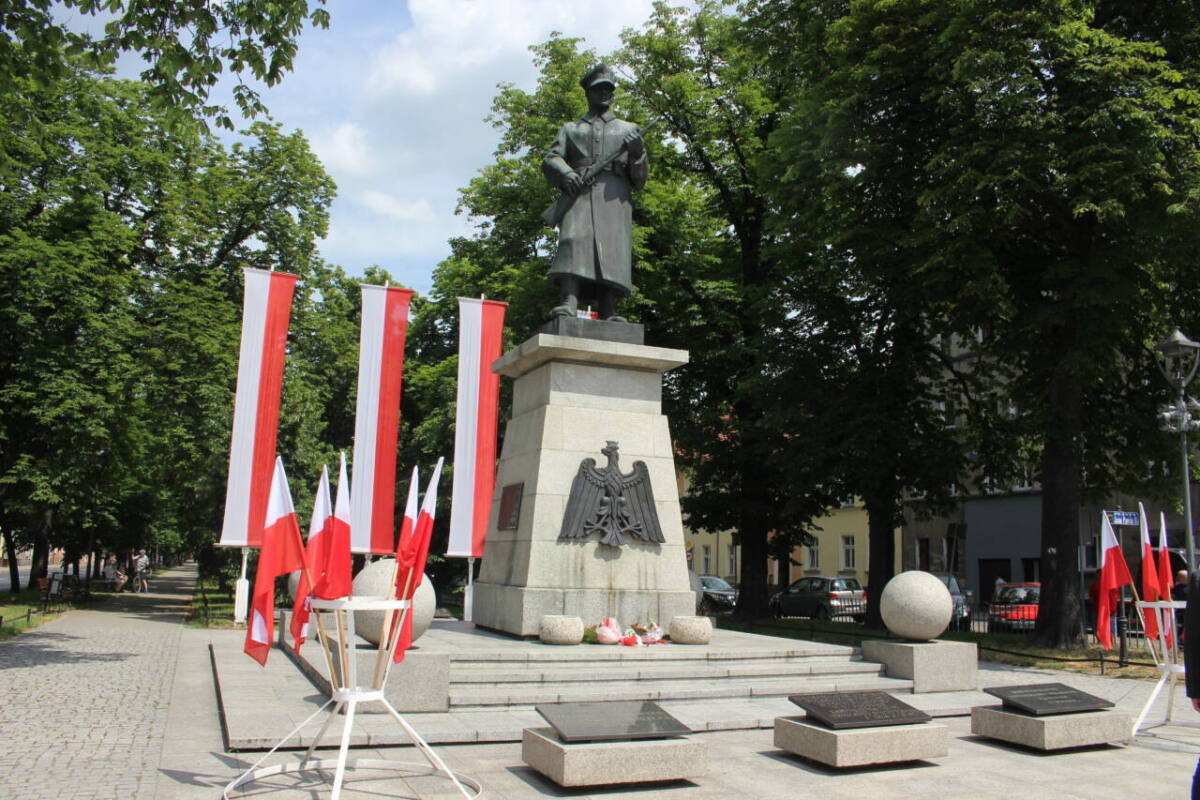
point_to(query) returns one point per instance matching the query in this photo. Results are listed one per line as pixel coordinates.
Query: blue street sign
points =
(1129, 518)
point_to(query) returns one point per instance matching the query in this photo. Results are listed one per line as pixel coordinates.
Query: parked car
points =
(718, 595)
(960, 618)
(821, 597)
(1014, 607)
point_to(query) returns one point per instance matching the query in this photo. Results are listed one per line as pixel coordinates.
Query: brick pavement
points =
(84, 698)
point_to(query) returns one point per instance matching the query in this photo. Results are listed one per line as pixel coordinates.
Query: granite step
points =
(655, 653)
(506, 696)
(470, 674)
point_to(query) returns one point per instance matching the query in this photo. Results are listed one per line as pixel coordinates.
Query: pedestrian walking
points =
(141, 570)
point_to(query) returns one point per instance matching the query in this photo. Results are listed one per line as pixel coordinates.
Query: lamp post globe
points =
(1178, 358)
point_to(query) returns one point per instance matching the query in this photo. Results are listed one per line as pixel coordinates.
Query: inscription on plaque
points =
(611, 721)
(842, 710)
(1044, 699)
(510, 507)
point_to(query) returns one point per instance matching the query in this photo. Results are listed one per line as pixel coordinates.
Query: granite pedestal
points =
(597, 763)
(937, 666)
(570, 396)
(1052, 732)
(858, 747)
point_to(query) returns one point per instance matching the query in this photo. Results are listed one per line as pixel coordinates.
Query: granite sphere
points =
(916, 605)
(373, 582)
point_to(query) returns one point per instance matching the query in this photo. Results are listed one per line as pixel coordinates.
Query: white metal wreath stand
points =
(347, 696)
(1166, 659)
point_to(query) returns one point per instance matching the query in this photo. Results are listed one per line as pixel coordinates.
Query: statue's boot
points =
(608, 307)
(570, 298)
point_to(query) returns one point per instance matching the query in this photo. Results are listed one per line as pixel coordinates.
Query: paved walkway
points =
(119, 702)
(84, 698)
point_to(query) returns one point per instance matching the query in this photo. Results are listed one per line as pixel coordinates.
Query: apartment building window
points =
(848, 561)
(923, 554)
(812, 556)
(706, 559)
(733, 567)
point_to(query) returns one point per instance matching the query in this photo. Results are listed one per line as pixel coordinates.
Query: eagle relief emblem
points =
(607, 502)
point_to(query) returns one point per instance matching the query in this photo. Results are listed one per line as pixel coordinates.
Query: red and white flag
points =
(266, 310)
(422, 533)
(316, 551)
(1114, 573)
(480, 336)
(1150, 589)
(334, 578)
(377, 418)
(282, 552)
(406, 546)
(1164, 572)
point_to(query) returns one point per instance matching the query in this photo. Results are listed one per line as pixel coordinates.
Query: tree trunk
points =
(1060, 610)
(10, 552)
(752, 587)
(881, 539)
(40, 566)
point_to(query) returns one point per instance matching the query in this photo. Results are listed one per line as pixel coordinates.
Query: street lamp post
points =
(1178, 358)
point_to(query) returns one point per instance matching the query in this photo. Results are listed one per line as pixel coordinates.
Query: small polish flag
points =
(1164, 572)
(421, 535)
(1150, 588)
(282, 552)
(335, 579)
(1114, 573)
(316, 551)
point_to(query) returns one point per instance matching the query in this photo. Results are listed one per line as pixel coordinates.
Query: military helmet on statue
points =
(601, 73)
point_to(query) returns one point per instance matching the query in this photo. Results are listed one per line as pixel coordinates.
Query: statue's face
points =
(600, 96)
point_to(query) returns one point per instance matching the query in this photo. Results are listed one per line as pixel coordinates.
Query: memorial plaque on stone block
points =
(842, 710)
(1042, 699)
(510, 507)
(611, 721)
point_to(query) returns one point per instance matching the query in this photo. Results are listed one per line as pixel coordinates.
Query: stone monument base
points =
(1051, 732)
(597, 763)
(859, 747)
(937, 666)
(519, 610)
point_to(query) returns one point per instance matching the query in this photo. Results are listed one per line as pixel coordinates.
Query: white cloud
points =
(397, 208)
(397, 118)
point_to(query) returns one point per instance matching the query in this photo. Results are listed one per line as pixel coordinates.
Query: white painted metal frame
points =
(347, 698)
(1166, 659)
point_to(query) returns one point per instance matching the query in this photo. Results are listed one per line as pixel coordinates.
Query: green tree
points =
(1034, 168)
(187, 46)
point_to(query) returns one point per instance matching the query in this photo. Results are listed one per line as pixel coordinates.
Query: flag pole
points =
(384, 667)
(322, 637)
(469, 594)
(391, 631)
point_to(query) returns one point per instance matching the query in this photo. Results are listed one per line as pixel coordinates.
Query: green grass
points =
(1017, 650)
(210, 607)
(24, 611)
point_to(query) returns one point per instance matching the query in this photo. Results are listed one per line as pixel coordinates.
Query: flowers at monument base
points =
(609, 631)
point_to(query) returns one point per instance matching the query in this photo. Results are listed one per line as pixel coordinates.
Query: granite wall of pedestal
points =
(571, 396)
(599, 763)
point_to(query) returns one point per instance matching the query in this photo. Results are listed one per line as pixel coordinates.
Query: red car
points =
(1014, 607)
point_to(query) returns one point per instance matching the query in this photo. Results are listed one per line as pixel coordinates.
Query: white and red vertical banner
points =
(282, 552)
(1114, 573)
(377, 418)
(266, 311)
(480, 336)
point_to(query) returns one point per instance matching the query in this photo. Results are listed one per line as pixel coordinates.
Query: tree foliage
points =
(187, 46)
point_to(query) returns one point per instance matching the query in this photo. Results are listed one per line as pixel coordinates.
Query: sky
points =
(393, 99)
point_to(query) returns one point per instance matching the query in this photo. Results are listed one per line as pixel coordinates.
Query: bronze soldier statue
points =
(597, 161)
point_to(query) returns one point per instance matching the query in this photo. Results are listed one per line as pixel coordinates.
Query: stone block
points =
(937, 666)
(857, 747)
(1052, 732)
(599, 763)
(690, 630)
(561, 629)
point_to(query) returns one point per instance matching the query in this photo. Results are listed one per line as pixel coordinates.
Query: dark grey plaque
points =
(510, 507)
(841, 710)
(1044, 699)
(611, 721)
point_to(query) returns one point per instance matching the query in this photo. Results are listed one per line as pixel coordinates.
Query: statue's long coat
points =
(595, 239)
